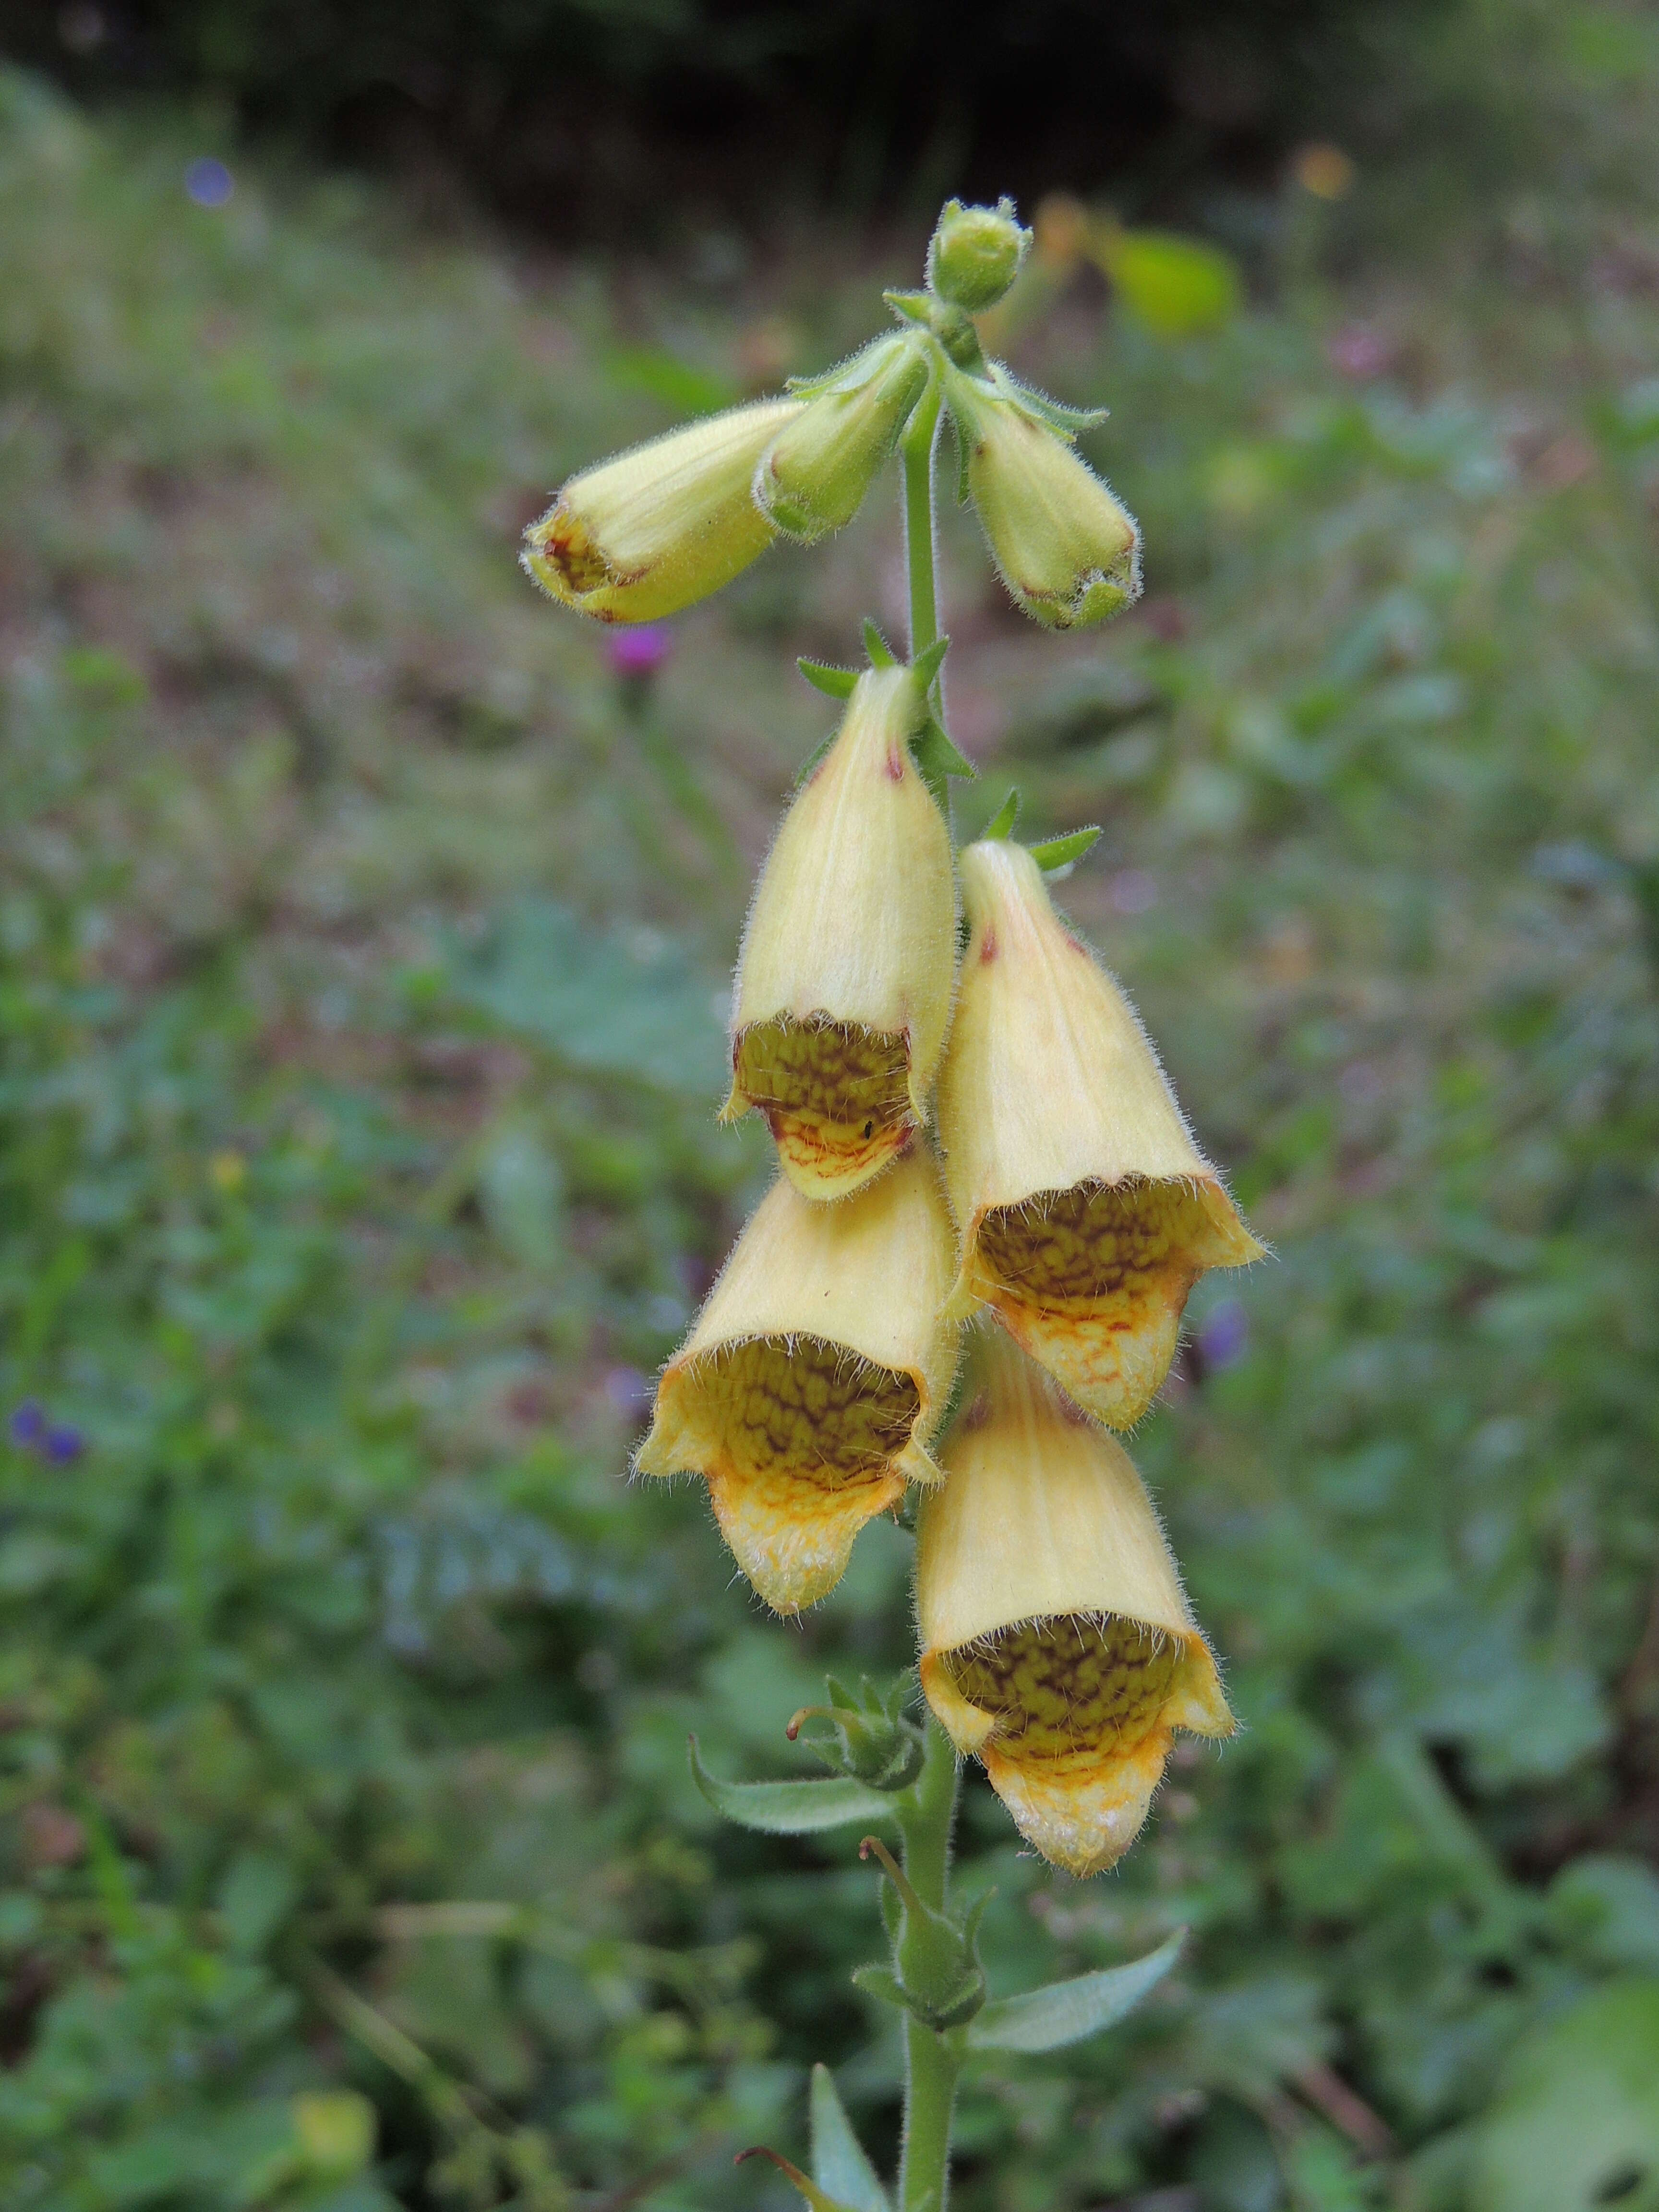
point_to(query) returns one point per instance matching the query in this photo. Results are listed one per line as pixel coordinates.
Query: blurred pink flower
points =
(639, 652)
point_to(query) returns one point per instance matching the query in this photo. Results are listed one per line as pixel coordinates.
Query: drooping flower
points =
(1069, 553)
(843, 987)
(813, 1378)
(1057, 1643)
(814, 475)
(1086, 1210)
(664, 524)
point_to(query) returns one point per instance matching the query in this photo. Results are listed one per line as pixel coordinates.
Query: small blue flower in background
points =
(1223, 1336)
(28, 1424)
(208, 183)
(56, 1442)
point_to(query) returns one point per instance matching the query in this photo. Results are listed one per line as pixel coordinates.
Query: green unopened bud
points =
(975, 254)
(1067, 551)
(663, 525)
(813, 477)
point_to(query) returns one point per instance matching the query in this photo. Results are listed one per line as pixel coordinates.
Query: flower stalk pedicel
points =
(813, 1380)
(1086, 1212)
(844, 982)
(1066, 1659)
(663, 525)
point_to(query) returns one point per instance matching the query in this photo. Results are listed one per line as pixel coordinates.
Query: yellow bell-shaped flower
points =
(663, 525)
(813, 1378)
(1057, 1643)
(1086, 1212)
(843, 987)
(1069, 553)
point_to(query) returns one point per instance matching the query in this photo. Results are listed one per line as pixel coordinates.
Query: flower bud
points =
(1086, 1210)
(813, 477)
(814, 1376)
(843, 987)
(975, 254)
(663, 525)
(1066, 550)
(1057, 1645)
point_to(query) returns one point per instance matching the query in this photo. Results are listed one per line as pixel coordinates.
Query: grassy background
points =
(362, 937)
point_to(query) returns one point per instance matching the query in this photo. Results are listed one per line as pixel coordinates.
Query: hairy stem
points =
(918, 558)
(927, 1817)
(930, 2065)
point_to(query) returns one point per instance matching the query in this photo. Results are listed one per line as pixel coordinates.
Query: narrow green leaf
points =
(790, 1808)
(1001, 824)
(839, 2161)
(882, 654)
(816, 2197)
(1066, 2012)
(834, 683)
(928, 663)
(1057, 853)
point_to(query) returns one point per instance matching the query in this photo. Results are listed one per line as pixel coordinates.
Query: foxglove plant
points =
(985, 1167)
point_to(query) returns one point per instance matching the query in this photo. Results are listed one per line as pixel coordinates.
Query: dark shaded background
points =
(599, 119)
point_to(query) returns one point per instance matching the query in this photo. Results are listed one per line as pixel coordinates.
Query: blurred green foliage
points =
(361, 929)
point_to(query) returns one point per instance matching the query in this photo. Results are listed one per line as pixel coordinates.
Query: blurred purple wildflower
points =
(208, 183)
(636, 654)
(1223, 1336)
(28, 1424)
(629, 1392)
(64, 1445)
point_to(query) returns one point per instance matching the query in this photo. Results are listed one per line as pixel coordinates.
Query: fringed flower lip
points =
(814, 1377)
(844, 983)
(1085, 1210)
(1058, 1646)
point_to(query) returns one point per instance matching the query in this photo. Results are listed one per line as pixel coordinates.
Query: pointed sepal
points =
(882, 654)
(840, 2162)
(789, 1808)
(912, 306)
(938, 759)
(834, 683)
(1001, 824)
(1068, 2012)
(929, 661)
(1058, 856)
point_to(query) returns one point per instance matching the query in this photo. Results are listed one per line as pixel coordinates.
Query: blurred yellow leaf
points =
(1176, 286)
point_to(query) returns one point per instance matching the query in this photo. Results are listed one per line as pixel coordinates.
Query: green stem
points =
(926, 1818)
(919, 559)
(930, 2063)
